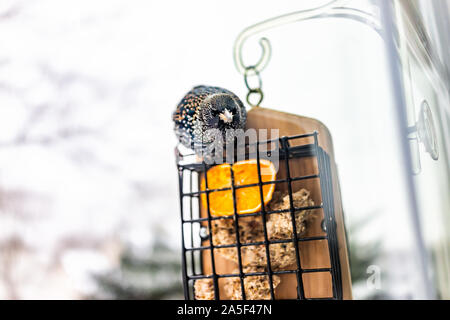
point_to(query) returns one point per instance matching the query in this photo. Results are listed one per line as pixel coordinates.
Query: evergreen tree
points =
(155, 276)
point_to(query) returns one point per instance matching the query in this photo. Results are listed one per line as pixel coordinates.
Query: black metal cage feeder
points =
(196, 227)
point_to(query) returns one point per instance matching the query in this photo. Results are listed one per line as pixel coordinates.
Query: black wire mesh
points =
(196, 229)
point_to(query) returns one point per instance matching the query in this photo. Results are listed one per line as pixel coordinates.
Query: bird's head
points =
(222, 111)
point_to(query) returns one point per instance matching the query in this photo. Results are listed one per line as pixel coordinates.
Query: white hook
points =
(334, 5)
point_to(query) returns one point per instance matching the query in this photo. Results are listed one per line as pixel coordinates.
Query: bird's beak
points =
(226, 116)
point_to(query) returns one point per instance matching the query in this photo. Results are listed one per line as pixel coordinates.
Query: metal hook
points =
(332, 8)
(253, 90)
(269, 24)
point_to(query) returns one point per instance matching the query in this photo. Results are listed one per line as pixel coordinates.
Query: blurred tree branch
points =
(10, 250)
(11, 11)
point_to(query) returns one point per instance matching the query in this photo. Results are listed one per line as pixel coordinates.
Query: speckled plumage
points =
(204, 108)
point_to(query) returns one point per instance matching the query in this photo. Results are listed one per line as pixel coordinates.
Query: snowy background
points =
(87, 89)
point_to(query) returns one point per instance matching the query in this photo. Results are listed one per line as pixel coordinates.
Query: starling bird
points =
(206, 111)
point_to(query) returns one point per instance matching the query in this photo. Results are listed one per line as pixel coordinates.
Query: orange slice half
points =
(248, 199)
